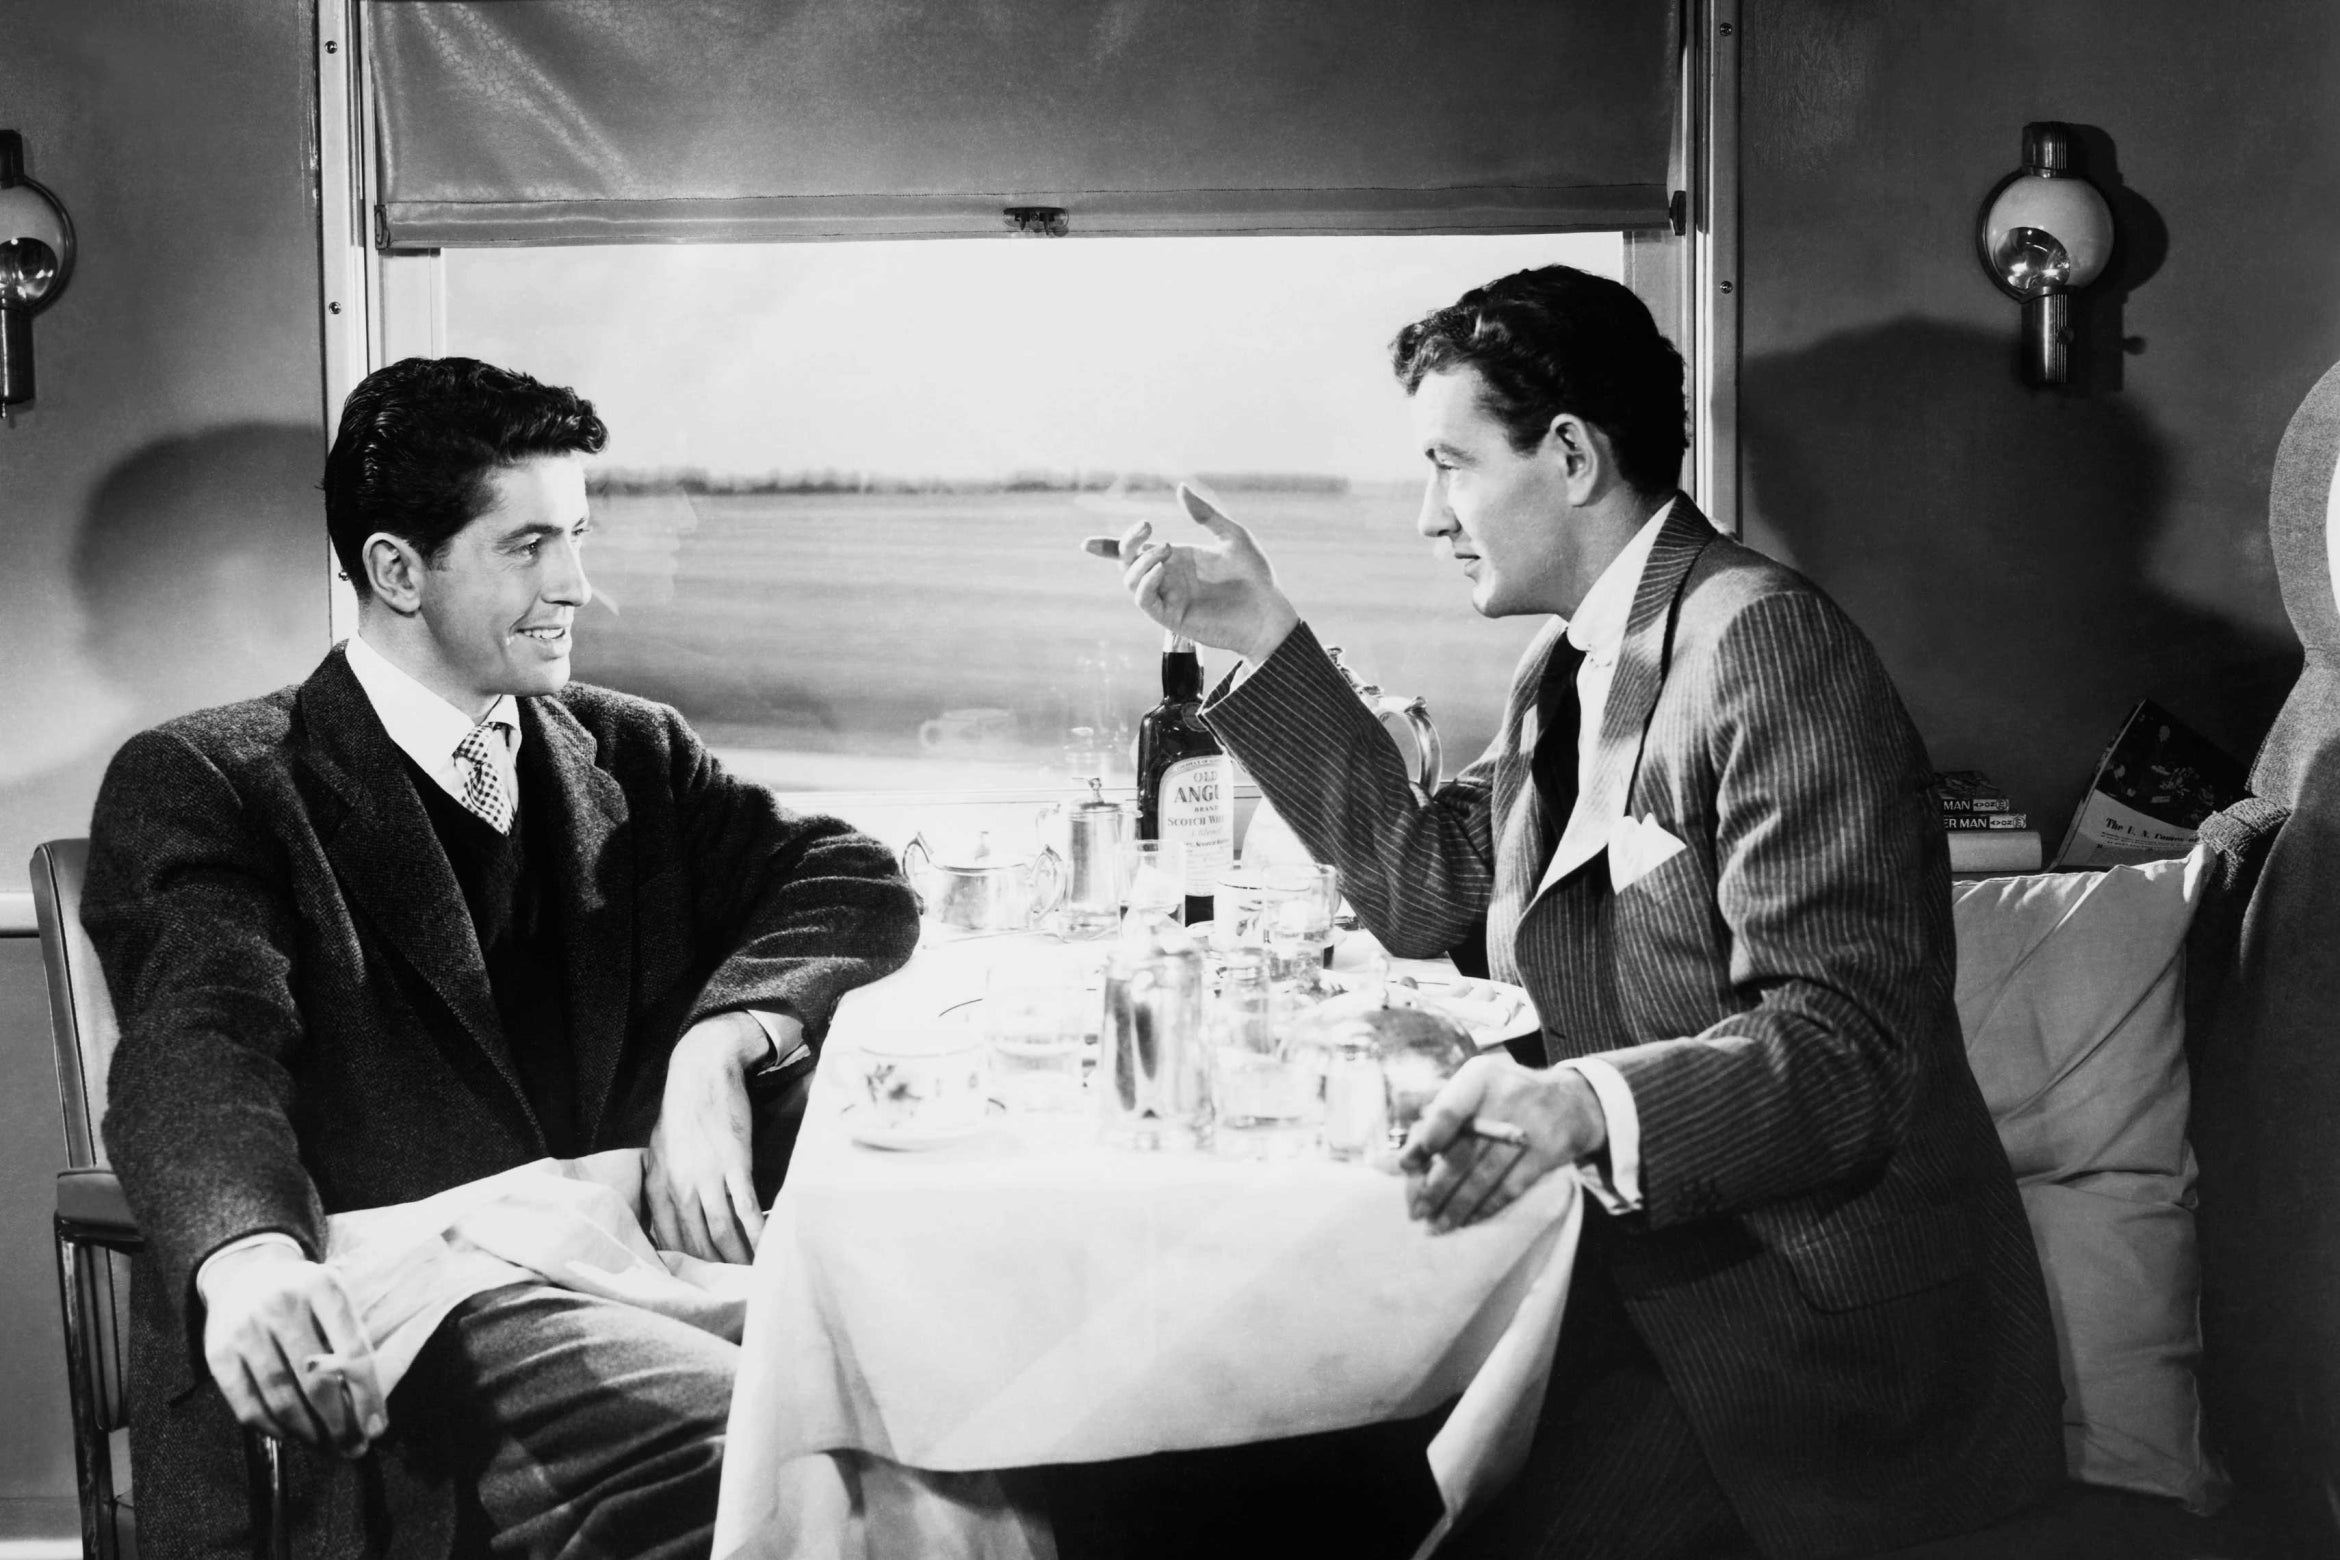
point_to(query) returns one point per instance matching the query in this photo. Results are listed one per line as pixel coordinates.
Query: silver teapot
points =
(1400, 712)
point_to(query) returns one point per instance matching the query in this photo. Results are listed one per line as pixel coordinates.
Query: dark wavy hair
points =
(1556, 340)
(418, 440)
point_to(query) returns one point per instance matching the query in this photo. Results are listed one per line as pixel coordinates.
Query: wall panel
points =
(2033, 561)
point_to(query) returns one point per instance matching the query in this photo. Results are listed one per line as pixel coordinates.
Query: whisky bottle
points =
(1186, 782)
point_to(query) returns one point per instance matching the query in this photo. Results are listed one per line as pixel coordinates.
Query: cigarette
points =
(335, 1366)
(1496, 1131)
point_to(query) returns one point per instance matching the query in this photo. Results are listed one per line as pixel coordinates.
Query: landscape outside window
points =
(838, 523)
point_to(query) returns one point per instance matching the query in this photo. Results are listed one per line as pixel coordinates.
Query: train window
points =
(838, 522)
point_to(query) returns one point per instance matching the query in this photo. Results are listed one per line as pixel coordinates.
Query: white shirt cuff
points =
(785, 1048)
(242, 1243)
(1619, 1190)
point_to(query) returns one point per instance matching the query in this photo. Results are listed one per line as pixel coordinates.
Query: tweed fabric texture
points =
(307, 1023)
(1831, 1266)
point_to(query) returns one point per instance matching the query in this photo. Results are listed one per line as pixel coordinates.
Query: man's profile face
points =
(1503, 515)
(501, 600)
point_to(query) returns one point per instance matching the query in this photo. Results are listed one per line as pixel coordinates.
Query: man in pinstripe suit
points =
(1807, 1319)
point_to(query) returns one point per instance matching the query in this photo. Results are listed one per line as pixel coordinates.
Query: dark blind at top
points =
(616, 121)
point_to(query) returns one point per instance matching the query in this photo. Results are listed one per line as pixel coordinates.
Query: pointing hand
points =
(1220, 592)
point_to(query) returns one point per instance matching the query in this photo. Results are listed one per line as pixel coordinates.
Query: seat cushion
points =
(2070, 991)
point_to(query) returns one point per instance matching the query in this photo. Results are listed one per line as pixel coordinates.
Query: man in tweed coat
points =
(433, 913)
(1807, 1318)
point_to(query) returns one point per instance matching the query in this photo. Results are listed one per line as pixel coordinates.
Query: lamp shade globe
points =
(2063, 208)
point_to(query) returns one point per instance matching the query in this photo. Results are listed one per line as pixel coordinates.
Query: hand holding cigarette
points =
(1495, 1130)
(1220, 592)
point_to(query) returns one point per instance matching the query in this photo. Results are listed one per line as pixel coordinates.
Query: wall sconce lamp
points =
(36, 260)
(2045, 231)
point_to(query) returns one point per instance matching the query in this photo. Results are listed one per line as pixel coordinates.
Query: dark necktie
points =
(1554, 761)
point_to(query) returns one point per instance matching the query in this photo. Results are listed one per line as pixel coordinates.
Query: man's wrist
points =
(1582, 1116)
(266, 1246)
(738, 1039)
(1282, 619)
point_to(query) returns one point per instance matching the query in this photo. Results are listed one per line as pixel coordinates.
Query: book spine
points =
(1971, 822)
(1978, 804)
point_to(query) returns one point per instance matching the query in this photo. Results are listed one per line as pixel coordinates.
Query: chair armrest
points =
(92, 1210)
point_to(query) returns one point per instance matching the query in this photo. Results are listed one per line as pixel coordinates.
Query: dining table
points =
(1025, 1295)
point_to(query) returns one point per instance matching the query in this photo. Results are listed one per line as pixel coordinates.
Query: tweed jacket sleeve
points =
(801, 906)
(188, 902)
(1418, 870)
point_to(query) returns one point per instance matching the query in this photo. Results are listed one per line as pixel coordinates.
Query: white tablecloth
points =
(1028, 1296)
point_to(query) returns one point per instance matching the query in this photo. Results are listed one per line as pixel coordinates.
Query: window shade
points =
(614, 121)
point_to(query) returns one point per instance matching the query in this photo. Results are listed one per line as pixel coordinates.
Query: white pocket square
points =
(1637, 848)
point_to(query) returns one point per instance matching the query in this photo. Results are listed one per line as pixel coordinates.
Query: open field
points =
(838, 624)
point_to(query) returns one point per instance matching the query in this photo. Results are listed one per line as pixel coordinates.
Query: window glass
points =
(838, 523)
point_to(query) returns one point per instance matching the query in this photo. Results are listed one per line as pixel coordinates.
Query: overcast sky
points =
(974, 358)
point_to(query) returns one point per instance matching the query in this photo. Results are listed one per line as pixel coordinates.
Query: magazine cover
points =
(2156, 783)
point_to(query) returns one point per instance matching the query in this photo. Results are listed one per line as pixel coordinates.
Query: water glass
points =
(1040, 1021)
(1263, 1097)
(1286, 908)
(1153, 878)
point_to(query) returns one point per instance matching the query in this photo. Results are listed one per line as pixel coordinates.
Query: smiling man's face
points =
(501, 600)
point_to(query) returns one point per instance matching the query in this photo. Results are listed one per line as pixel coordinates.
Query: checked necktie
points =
(476, 756)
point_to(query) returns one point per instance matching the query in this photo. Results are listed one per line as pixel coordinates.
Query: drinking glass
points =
(1153, 879)
(1262, 1096)
(1040, 1020)
(1286, 908)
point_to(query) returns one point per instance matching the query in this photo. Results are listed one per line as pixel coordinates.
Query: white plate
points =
(868, 1131)
(1493, 1010)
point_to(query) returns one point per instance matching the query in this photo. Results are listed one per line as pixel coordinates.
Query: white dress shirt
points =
(427, 728)
(1598, 629)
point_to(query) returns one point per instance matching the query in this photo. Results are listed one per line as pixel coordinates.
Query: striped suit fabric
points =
(1830, 1266)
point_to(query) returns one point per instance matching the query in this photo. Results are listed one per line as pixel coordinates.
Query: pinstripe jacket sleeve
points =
(1419, 871)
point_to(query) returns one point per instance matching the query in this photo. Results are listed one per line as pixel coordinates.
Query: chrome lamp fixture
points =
(2045, 232)
(36, 260)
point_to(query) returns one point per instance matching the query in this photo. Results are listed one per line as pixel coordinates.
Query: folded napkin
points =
(569, 1222)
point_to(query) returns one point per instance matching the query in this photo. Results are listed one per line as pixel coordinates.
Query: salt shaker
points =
(1093, 856)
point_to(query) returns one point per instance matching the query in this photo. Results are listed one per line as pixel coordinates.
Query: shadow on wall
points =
(201, 567)
(1994, 543)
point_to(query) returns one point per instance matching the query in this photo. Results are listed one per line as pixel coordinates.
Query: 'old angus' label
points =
(1198, 811)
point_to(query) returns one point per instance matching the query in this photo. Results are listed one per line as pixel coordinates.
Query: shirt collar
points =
(425, 726)
(1598, 628)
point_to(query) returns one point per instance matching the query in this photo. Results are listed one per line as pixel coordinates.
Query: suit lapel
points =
(1633, 690)
(581, 839)
(387, 859)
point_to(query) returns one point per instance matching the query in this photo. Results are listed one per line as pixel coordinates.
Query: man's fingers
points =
(325, 1396)
(743, 1206)
(1502, 1185)
(665, 1228)
(243, 1397)
(1146, 578)
(353, 1357)
(1209, 515)
(264, 1417)
(287, 1402)
(723, 1233)
(1456, 1103)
